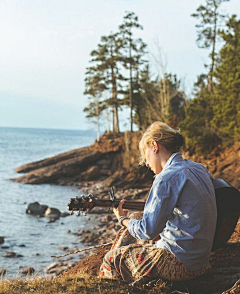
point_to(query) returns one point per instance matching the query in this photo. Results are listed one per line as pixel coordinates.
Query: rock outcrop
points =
(113, 156)
(114, 161)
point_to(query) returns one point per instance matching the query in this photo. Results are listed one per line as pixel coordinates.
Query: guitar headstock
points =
(82, 203)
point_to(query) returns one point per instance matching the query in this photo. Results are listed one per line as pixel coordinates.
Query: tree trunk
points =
(115, 103)
(210, 79)
(130, 89)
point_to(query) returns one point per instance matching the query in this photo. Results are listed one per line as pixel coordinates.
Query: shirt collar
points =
(175, 157)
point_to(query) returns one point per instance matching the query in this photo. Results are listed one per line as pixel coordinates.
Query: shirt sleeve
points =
(161, 201)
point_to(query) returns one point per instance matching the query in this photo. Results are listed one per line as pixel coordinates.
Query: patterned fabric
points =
(137, 260)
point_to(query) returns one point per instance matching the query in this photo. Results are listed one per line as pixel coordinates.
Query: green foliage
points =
(104, 75)
(145, 99)
(226, 104)
(215, 118)
(132, 57)
(158, 99)
(119, 75)
(116, 53)
(210, 19)
(196, 128)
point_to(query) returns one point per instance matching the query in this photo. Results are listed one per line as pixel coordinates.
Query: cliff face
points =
(114, 160)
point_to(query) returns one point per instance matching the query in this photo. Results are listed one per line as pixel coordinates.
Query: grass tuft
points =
(74, 284)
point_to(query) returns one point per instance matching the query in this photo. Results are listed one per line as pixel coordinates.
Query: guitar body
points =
(228, 208)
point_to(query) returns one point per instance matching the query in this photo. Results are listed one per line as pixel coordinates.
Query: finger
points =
(120, 205)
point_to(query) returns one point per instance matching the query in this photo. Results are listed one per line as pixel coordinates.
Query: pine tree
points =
(210, 19)
(133, 51)
(149, 105)
(226, 104)
(199, 134)
(94, 87)
(171, 100)
(106, 62)
(144, 99)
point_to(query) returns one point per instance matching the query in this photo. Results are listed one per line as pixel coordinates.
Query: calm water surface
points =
(35, 238)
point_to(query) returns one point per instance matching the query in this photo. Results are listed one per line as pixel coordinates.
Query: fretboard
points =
(131, 205)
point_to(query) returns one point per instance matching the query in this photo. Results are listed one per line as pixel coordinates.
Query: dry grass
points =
(74, 284)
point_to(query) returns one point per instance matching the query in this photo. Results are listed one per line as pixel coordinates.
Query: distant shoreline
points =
(92, 131)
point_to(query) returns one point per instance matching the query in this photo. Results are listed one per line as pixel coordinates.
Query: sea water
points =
(36, 239)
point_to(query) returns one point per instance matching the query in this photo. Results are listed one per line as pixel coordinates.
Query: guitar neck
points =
(128, 204)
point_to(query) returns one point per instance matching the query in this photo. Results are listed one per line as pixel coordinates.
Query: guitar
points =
(227, 199)
(87, 203)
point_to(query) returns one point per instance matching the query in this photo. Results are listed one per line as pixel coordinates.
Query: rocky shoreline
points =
(113, 161)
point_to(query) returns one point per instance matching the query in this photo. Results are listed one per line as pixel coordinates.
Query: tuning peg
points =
(111, 194)
(90, 197)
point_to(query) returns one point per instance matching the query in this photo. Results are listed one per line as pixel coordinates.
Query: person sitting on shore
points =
(173, 237)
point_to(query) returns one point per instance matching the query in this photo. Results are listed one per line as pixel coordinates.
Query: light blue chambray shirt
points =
(181, 208)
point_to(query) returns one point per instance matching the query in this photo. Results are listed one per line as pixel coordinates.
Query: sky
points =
(45, 48)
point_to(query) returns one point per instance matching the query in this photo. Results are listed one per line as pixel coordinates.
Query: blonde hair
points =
(160, 132)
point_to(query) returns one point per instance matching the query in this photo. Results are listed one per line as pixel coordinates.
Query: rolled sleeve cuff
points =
(132, 226)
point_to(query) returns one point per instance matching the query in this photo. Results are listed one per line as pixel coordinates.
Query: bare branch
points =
(82, 250)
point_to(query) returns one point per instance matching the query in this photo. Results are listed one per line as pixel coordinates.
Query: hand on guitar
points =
(119, 211)
(121, 214)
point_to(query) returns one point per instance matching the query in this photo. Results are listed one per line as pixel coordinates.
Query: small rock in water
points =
(36, 209)
(64, 214)
(63, 248)
(11, 254)
(1, 239)
(52, 213)
(22, 245)
(28, 271)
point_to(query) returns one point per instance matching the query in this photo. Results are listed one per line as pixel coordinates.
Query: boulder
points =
(36, 209)
(53, 213)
